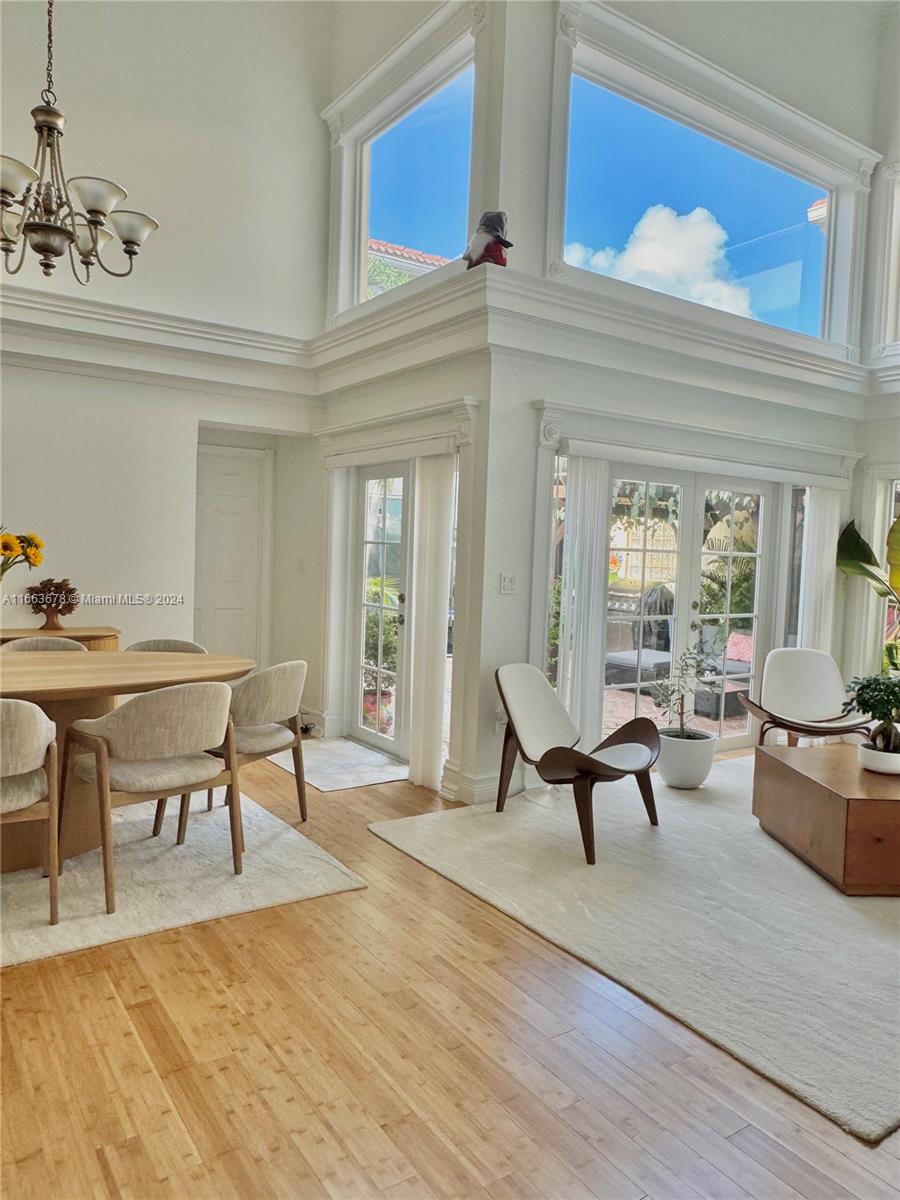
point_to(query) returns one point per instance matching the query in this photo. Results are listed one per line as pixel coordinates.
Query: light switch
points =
(507, 584)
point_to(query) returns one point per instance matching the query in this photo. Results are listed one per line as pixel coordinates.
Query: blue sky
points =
(648, 200)
(419, 183)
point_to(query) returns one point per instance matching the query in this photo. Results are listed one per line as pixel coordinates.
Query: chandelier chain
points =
(48, 95)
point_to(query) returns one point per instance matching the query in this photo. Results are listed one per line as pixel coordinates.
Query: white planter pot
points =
(685, 762)
(878, 760)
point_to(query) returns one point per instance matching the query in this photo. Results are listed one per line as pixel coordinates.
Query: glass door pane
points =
(643, 550)
(728, 606)
(383, 601)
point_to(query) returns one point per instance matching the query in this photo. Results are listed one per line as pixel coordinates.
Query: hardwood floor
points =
(406, 1041)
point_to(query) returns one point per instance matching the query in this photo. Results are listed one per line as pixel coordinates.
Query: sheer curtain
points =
(433, 533)
(818, 586)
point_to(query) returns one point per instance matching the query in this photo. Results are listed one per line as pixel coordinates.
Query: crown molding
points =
(580, 320)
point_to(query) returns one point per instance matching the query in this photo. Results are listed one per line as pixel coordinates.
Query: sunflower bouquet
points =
(18, 548)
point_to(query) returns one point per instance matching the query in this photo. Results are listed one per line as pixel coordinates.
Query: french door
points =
(379, 685)
(688, 560)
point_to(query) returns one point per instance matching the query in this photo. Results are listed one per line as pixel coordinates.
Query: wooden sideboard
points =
(95, 637)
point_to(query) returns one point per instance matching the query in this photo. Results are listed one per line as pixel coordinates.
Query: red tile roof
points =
(417, 256)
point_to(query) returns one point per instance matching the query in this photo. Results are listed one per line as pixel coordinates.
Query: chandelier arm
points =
(87, 270)
(118, 274)
(6, 257)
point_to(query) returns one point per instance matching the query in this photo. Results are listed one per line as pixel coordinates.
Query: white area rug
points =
(335, 764)
(160, 885)
(706, 917)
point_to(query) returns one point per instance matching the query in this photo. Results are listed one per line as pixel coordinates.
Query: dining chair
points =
(539, 728)
(29, 786)
(156, 745)
(802, 693)
(166, 646)
(18, 645)
(265, 711)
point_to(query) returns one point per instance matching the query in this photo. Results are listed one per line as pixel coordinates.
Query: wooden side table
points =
(95, 637)
(842, 820)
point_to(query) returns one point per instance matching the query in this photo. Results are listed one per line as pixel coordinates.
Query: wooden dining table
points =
(69, 687)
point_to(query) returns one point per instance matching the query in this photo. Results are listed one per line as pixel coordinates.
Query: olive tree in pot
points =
(878, 696)
(685, 754)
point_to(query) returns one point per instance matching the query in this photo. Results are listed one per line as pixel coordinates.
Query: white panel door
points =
(231, 557)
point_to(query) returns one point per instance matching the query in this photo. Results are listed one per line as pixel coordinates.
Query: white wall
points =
(207, 113)
(364, 31)
(817, 56)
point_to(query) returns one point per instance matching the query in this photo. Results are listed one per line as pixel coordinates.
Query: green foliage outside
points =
(389, 633)
(552, 667)
(381, 277)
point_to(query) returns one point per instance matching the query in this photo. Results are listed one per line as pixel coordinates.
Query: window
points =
(418, 189)
(654, 202)
(891, 652)
(795, 565)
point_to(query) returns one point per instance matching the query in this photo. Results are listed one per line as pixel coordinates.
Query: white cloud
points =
(680, 255)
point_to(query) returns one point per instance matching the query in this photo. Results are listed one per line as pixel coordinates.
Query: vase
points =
(882, 761)
(685, 762)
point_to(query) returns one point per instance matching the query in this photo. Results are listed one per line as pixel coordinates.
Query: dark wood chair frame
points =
(108, 800)
(565, 764)
(797, 729)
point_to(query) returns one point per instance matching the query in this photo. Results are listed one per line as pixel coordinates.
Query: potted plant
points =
(878, 696)
(856, 557)
(685, 755)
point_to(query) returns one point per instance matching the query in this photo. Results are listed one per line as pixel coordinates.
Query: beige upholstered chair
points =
(167, 646)
(265, 710)
(18, 645)
(28, 778)
(157, 745)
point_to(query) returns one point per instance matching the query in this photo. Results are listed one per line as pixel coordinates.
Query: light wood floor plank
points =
(407, 1041)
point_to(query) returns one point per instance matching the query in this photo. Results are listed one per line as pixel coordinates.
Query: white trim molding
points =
(439, 428)
(618, 53)
(436, 50)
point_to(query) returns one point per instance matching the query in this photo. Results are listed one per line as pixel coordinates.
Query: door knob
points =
(401, 620)
(401, 597)
(695, 625)
(695, 604)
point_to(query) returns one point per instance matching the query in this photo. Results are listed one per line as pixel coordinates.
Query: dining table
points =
(69, 687)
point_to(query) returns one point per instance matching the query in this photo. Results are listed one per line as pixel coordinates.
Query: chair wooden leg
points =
(793, 739)
(583, 788)
(209, 799)
(68, 768)
(237, 831)
(644, 783)
(297, 753)
(53, 834)
(507, 762)
(106, 841)
(183, 818)
(160, 815)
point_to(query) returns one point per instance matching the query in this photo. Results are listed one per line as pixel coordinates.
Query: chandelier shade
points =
(133, 228)
(15, 176)
(97, 195)
(37, 202)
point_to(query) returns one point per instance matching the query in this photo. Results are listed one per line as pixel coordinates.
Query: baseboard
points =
(467, 788)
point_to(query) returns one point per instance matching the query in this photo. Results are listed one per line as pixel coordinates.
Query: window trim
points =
(433, 54)
(625, 57)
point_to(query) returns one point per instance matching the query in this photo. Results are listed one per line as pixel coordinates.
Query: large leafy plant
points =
(878, 696)
(856, 557)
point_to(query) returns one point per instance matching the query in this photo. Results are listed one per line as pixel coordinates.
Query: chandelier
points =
(37, 207)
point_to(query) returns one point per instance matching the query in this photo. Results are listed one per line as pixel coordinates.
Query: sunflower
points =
(35, 540)
(10, 546)
(33, 556)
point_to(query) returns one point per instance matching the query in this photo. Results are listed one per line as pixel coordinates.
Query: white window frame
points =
(623, 56)
(435, 52)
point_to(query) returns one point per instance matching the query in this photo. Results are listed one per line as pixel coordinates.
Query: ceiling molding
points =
(588, 323)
